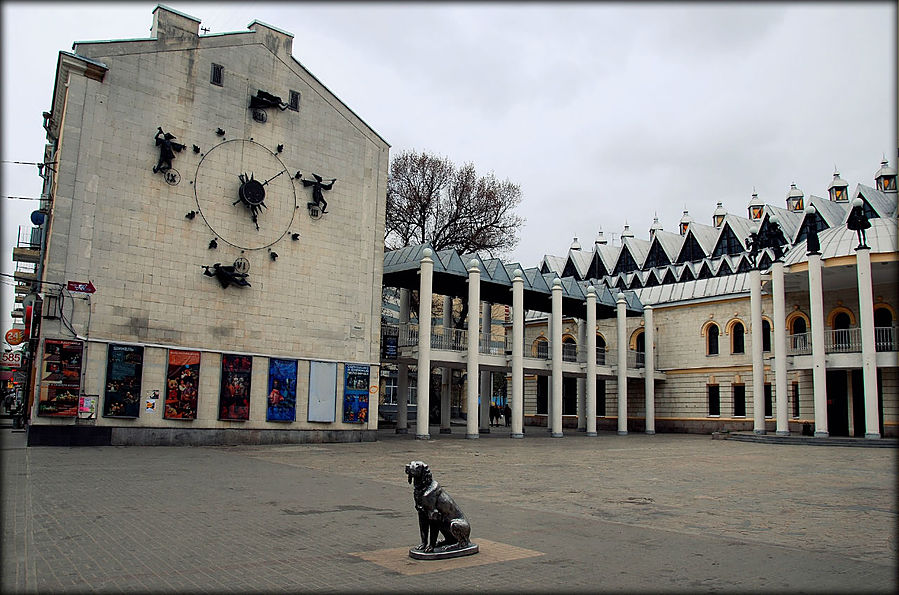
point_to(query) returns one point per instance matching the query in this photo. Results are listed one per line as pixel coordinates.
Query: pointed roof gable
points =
(705, 235)
(578, 264)
(670, 276)
(882, 203)
(552, 264)
(691, 250)
(626, 261)
(638, 249)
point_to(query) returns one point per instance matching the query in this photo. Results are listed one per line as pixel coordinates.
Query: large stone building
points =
(228, 210)
(710, 333)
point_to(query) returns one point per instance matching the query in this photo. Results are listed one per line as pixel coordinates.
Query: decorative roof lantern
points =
(601, 239)
(756, 206)
(627, 233)
(885, 178)
(838, 188)
(795, 199)
(575, 245)
(685, 222)
(718, 215)
(656, 226)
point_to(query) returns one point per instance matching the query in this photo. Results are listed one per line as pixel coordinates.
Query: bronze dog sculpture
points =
(438, 514)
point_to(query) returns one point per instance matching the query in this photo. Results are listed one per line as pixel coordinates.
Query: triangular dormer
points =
(597, 269)
(669, 276)
(651, 279)
(626, 262)
(705, 271)
(687, 273)
(728, 242)
(570, 270)
(691, 251)
(743, 267)
(656, 256)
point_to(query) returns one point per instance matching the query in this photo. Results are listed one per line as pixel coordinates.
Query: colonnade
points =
(478, 327)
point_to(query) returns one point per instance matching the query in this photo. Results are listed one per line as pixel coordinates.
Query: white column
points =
(780, 349)
(486, 376)
(819, 371)
(446, 374)
(758, 364)
(590, 383)
(556, 344)
(869, 355)
(402, 372)
(517, 354)
(581, 382)
(425, 295)
(621, 305)
(649, 370)
(474, 301)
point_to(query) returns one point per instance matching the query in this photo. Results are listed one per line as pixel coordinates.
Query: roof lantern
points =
(601, 239)
(656, 226)
(838, 188)
(795, 199)
(575, 245)
(718, 215)
(685, 222)
(885, 178)
(627, 233)
(756, 206)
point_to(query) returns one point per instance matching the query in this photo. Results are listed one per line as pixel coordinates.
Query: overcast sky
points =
(604, 113)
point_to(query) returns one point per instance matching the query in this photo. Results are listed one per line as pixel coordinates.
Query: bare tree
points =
(429, 199)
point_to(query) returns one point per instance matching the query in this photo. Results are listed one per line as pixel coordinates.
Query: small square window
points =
(294, 101)
(218, 74)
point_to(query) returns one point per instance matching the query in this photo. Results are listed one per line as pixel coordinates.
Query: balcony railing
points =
(493, 344)
(636, 359)
(886, 338)
(569, 352)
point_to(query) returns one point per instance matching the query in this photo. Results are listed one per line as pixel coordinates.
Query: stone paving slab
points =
(673, 513)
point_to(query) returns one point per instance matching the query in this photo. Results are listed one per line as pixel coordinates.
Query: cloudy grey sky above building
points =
(604, 113)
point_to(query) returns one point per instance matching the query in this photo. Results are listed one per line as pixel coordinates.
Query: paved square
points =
(669, 513)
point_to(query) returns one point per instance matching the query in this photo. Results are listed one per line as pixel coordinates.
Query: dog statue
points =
(438, 514)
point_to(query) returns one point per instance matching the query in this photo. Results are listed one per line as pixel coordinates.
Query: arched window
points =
(711, 339)
(798, 335)
(600, 350)
(640, 348)
(569, 349)
(766, 335)
(799, 327)
(842, 339)
(540, 348)
(883, 329)
(736, 333)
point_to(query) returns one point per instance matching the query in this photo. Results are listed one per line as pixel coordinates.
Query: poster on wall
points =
(355, 393)
(60, 378)
(124, 364)
(182, 385)
(322, 391)
(282, 390)
(234, 396)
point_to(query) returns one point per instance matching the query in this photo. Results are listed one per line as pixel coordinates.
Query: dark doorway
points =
(542, 392)
(601, 397)
(858, 403)
(837, 403)
(569, 395)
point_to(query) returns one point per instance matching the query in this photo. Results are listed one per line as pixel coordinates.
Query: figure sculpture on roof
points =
(858, 222)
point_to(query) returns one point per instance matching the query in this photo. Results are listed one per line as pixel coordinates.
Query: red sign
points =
(15, 336)
(81, 287)
(12, 359)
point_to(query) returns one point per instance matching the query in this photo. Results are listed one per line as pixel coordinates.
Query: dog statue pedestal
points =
(444, 552)
(438, 514)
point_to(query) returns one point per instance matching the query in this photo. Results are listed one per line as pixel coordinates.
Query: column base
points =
(651, 432)
(557, 434)
(402, 430)
(759, 432)
(622, 432)
(422, 436)
(782, 433)
(872, 436)
(592, 434)
(516, 435)
(472, 436)
(822, 434)
(446, 431)
(483, 430)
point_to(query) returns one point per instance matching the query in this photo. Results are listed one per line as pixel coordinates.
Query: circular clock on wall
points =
(245, 194)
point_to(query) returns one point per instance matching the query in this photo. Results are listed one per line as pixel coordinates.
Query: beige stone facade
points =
(142, 238)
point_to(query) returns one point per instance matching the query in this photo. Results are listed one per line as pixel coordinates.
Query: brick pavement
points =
(632, 513)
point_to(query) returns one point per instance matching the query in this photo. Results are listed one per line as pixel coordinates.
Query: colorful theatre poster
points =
(234, 397)
(182, 385)
(124, 364)
(60, 378)
(355, 393)
(282, 390)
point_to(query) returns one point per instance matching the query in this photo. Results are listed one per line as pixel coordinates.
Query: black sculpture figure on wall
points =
(167, 150)
(317, 186)
(262, 100)
(438, 514)
(772, 236)
(752, 242)
(227, 275)
(812, 243)
(858, 222)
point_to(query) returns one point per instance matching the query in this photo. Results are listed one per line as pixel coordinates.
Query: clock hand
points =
(273, 177)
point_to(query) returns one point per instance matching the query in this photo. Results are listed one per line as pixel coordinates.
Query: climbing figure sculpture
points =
(317, 186)
(167, 150)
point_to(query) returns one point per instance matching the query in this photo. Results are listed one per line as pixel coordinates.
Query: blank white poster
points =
(322, 391)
